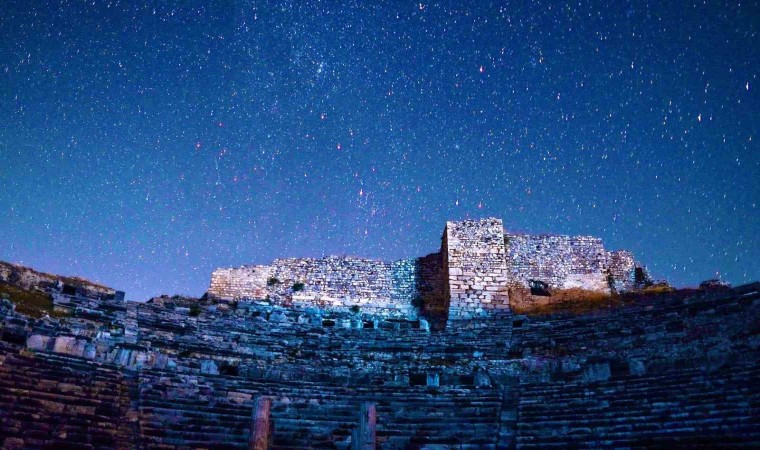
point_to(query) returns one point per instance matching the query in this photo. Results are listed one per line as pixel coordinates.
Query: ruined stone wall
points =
(563, 262)
(622, 268)
(476, 268)
(431, 286)
(247, 282)
(672, 370)
(334, 282)
(29, 279)
(467, 278)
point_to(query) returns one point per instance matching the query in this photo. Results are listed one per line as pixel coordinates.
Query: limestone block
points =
(238, 397)
(637, 366)
(138, 360)
(80, 348)
(65, 344)
(90, 351)
(79, 409)
(38, 342)
(597, 372)
(209, 366)
(122, 357)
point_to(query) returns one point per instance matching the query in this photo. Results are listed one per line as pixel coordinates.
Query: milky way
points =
(144, 146)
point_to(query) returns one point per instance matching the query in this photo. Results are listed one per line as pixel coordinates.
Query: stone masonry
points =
(622, 268)
(335, 282)
(476, 268)
(660, 369)
(560, 261)
(467, 278)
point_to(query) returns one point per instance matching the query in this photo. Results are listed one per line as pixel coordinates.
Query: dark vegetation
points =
(195, 310)
(579, 301)
(31, 303)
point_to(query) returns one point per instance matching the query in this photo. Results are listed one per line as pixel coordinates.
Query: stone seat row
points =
(48, 403)
(308, 414)
(674, 408)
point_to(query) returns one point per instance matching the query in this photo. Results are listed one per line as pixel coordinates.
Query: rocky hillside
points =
(30, 290)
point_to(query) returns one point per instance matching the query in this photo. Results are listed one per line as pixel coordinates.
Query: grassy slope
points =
(576, 301)
(30, 303)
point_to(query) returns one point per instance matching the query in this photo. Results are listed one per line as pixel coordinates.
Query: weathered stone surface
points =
(475, 251)
(683, 363)
(336, 282)
(366, 433)
(260, 425)
(38, 342)
(28, 278)
(469, 277)
(668, 370)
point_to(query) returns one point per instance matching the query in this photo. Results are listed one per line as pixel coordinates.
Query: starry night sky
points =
(144, 146)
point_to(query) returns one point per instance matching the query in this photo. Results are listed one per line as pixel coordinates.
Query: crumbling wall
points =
(622, 268)
(29, 279)
(431, 286)
(476, 268)
(563, 262)
(389, 288)
(247, 282)
(467, 278)
(337, 281)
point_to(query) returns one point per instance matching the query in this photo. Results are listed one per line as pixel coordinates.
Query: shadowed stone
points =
(260, 425)
(365, 435)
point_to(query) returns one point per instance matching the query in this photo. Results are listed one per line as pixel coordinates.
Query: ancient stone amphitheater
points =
(496, 341)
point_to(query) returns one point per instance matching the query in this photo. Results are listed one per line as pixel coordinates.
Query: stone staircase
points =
(354, 355)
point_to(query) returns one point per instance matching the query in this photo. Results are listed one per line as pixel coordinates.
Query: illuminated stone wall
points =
(476, 268)
(562, 262)
(388, 288)
(467, 278)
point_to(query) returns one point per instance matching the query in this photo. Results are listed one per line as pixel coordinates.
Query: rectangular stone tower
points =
(475, 268)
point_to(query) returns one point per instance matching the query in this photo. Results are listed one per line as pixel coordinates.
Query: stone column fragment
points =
(366, 431)
(260, 424)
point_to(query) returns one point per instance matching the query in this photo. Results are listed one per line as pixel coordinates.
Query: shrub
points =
(298, 286)
(355, 309)
(273, 281)
(31, 303)
(195, 310)
(657, 289)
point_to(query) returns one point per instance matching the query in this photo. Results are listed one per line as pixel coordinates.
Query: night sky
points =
(144, 146)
